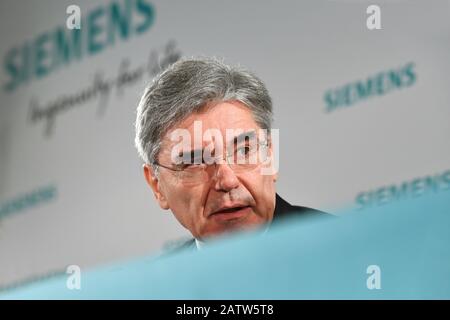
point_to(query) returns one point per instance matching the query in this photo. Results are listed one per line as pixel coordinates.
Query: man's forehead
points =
(230, 136)
(222, 115)
(225, 122)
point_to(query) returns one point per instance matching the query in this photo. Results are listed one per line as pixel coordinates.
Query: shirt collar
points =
(199, 244)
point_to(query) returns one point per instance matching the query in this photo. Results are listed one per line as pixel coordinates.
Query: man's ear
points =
(154, 183)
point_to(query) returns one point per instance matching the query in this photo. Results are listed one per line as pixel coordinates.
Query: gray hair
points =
(186, 87)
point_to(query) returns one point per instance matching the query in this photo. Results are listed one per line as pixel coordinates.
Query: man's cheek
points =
(191, 199)
(267, 181)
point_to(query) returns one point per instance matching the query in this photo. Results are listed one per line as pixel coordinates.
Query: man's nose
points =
(225, 178)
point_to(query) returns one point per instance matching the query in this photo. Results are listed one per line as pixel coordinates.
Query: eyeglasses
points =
(243, 159)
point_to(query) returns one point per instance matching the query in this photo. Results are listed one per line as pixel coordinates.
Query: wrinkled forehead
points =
(226, 124)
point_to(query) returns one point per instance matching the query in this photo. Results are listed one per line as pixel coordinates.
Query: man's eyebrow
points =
(250, 134)
(239, 138)
(194, 153)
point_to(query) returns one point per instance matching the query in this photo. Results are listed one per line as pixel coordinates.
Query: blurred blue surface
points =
(323, 259)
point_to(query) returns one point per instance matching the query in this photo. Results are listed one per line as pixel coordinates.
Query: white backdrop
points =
(75, 193)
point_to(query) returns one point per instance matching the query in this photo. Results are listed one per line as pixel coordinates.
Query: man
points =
(215, 183)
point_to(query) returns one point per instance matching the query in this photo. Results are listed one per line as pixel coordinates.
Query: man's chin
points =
(231, 226)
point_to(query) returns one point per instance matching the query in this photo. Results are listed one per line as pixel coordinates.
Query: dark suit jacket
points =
(282, 210)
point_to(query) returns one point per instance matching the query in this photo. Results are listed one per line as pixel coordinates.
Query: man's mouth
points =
(230, 213)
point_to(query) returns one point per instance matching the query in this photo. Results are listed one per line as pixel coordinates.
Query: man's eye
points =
(243, 151)
(190, 162)
(192, 166)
